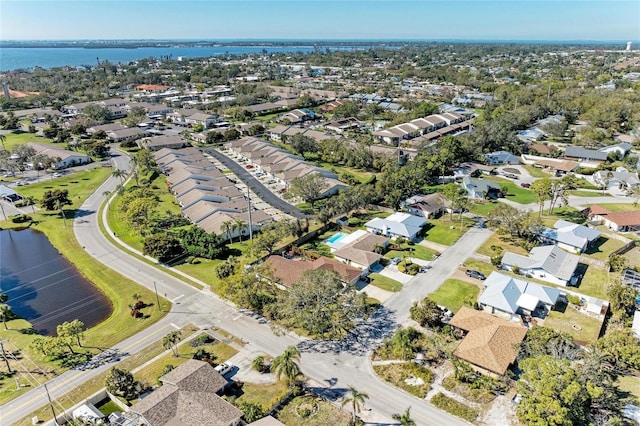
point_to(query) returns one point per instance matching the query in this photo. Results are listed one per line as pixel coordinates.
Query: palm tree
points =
(3, 139)
(356, 400)
(404, 418)
(135, 164)
(258, 363)
(171, 341)
(31, 201)
(60, 207)
(119, 174)
(239, 223)
(285, 365)
(227, 225)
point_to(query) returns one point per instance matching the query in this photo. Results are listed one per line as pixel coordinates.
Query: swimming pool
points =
(336, 237)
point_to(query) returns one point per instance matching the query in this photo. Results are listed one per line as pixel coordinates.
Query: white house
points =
(546, 263)
(621, 148)
(397, 225)
(569, 236)
(508, 296)
(427, 206)
(621, 178)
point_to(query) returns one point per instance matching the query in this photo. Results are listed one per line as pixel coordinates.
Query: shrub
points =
(21, 218)
(574, 300)
(454, 407)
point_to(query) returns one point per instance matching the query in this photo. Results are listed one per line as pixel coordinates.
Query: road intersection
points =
(338, 364)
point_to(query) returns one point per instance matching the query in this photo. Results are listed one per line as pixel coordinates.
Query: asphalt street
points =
(337, 364)
(256, 186)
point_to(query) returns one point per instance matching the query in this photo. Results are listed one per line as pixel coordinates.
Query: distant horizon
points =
(576, 21)
(350, 40)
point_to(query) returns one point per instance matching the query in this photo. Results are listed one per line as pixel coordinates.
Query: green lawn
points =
(516, 192)
(583, 193)
(454, 293)
(484, 208)
(415, 250)
(322, 413)
(385, 283)
(595, 281)
(615, 207)
(586, 328)
(603, 247)
(497, 245)
(630, 384)
(357, 220)
(15, 139)
(536, 172)
(265, 395)
(484, 267)
(446, 232)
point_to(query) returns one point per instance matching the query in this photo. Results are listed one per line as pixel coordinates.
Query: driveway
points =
(256, 186)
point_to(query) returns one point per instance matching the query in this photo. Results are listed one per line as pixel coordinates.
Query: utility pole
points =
(250, 222)
(55, 420)
(157, 298)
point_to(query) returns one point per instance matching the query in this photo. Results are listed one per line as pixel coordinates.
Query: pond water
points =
(43, 287)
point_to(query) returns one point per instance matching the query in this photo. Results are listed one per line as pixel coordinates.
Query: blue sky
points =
(304, 19)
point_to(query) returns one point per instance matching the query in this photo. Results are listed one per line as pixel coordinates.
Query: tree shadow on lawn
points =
(570, 215)
(365, 336)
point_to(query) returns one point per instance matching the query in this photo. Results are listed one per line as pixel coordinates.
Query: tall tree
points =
(121, 383)
(5, 314)
(308, 187)
(170, 341)
(285, 365)
(54, 199)
(356, 399)
(542, 188)
(73, 329)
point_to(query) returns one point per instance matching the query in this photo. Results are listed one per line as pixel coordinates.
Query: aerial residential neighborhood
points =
(353, 234)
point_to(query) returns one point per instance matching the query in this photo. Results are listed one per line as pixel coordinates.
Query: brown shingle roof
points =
(289, 271)
(188, 398)
(491, 342)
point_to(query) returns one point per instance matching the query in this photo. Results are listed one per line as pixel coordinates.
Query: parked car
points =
(396, 260)
(445, 311)
(57, 174)
(249, 166)
(475, 274)
(525, 185)
(224, 368)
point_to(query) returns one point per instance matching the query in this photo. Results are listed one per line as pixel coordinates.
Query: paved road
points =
(256, 186)
(337, 364)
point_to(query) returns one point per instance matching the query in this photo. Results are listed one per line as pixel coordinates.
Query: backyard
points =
(446, 232)
(582, 327)
(515, 191)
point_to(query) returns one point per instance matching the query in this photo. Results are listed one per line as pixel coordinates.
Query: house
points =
(490, 344)
(616, 221)
(403, 225)
(509, 297)
(501, 157)
(132, 133)
(569, 236)
(621, 178)
(267, 421)
(288, 272)
(188, 397)
(166, 141)
(63, 157)
(358, 249)
(105, 128)
(479, 189)
(200, 118)
(341, 125)
(427, 206)
(472, 169)
(583, 154)
(621, 149)
(298, 116)
(543, 149)
(239, 220)
(546, 263)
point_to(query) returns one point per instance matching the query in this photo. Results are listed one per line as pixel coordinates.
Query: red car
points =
(249, 166)
(525, 185)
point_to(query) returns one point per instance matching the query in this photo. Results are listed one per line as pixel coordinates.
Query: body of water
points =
(16, 58)
(45, 288)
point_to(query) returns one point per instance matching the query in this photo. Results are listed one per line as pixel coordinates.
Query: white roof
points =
(528, 302)
(636, 324)
(504, 293)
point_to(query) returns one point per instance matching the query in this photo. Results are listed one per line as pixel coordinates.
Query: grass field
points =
(595, 281)
(536, 172)
(484, 267)
(583, 193)
(454, 293)
(15, 139)
(262, 394)
(516, 192)
(630, 384)
(483, 209)
(620, 207)
(323, 413)
(446, 232)
(492, 246)
(385, 283)
(582, 327)
(415, 250)
(603, 247)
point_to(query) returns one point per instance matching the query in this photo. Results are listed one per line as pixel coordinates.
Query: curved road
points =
(335, 365)
(256, 186)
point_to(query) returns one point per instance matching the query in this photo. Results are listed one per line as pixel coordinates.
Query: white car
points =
(224, 368)
(56, 174)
